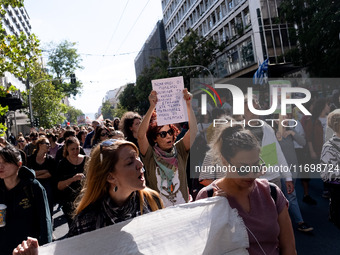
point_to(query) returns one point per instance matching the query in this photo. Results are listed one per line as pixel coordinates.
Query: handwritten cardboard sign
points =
(171, 107)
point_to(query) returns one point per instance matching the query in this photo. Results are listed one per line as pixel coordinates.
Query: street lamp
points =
(194, 66)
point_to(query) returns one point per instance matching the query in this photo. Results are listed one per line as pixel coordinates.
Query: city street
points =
(324, 239)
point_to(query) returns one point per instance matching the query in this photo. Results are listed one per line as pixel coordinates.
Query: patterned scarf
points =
(129, 210)
(167, 163)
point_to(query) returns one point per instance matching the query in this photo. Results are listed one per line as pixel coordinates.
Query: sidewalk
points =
(325, 238)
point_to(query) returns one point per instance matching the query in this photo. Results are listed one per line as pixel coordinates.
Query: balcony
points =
(13, 100)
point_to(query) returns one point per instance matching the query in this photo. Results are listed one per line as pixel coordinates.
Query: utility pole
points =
(29, 99)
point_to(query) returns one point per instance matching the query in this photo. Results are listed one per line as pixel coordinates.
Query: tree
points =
(119, 111)
(72, 114)
(46, 100)
(17, 53)
(317, 35)
(46, 104)
(107, 110)
(128, 98)
(194, 50)
(63, 60)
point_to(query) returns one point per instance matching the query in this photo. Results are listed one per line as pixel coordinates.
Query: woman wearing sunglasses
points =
(165, 161)
(265, 215)
(101, 134)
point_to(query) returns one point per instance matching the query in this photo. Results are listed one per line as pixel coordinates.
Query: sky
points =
(108, 35)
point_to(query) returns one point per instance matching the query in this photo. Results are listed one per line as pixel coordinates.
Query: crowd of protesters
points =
(116, 170)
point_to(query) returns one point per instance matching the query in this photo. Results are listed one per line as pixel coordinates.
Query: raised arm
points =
(190, 135)
(143, 128)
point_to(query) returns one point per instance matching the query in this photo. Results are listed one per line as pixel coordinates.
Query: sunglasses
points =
(245, 170)
(106, 143)
(48, 144)
(104, 134)
(164, 133)
(20, 141)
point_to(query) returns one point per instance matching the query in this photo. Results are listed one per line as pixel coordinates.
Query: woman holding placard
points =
(165, 161)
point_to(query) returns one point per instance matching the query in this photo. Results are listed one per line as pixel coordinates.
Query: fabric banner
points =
(208, 226)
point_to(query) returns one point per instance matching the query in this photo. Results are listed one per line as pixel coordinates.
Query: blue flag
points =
(261, 73)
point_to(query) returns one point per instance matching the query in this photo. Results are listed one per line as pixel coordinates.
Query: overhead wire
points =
(133, 26)
(114, 32)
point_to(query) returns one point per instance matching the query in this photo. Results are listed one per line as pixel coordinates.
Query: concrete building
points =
(14, 21)
(113, 97)
(153, 47)
(251, 29)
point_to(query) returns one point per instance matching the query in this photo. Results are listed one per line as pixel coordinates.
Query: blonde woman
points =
(114, 189)
(330, 157)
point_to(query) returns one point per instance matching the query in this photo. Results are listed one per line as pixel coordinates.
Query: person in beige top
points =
(165, 161)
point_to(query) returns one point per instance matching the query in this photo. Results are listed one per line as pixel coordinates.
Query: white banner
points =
(171, 107)
(208, 226)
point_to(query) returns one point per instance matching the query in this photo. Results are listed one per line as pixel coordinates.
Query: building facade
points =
(15, 21)
(252, 31)
(153, 47)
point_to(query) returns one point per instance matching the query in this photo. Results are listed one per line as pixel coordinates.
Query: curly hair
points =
(127, 122)
(153, 129)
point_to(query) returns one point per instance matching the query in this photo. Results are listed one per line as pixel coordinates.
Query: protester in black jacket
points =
(27, 212)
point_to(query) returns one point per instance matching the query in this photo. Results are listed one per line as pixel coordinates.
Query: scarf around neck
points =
(167, 163)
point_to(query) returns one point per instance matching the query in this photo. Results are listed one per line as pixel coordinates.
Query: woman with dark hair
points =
(69, 173)
(27, 207)
(54, 146)
(116, 121)
(44, 167)
(114, 191)
(165, 160)
(262, 206)
(81, 136)
(129, 125)
(101, 134)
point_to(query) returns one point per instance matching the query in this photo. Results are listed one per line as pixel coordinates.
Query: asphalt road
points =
(323, 240)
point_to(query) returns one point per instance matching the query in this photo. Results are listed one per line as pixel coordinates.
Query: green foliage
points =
(72, 114)
(107, 110)
(64, 60)
(46, 104)
(17, 53)
(119, 111)
(194, 50)
(317, 34)
(128, 98)
(18, 3)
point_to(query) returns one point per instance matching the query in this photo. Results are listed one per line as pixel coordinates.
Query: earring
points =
(115, 188)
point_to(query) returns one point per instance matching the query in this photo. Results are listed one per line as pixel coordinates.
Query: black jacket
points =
(27, 212)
